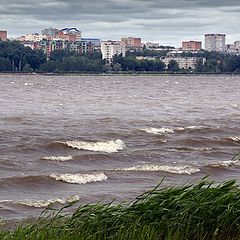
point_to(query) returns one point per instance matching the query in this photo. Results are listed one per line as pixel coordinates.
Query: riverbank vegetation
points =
(191, 212)
(14, 57)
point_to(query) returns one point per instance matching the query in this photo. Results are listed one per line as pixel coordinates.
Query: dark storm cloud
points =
(159, 20)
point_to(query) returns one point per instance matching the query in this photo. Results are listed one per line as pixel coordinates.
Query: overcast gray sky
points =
(164, 21)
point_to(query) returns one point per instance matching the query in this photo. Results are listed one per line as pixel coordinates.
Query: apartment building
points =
(36, 37)
(191, 45)
(132, 42)
(236, 45)
(111, 48)
(52, 32)
(70, 34)
(183, 62)
(215, 42)
(3, 35)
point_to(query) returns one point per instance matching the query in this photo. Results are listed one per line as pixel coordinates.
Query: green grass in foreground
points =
(202, 211)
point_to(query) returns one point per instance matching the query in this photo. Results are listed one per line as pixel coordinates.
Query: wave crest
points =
(58, 159)
(170, 130)
(158, 130)
(234, 139)
(170, 169)
(108, 147)
(226, 164)
(43, 203)
(183, 149)
(79, 178)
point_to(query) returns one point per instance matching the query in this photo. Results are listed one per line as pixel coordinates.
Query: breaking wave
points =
(58, 159)
(80, 178)
(43, 203)
(107, 147)
(226, 164)
(169, 130)
(158, 130)
(234, 139)
(170, 169)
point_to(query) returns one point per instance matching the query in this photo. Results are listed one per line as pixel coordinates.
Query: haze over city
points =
(167, 22)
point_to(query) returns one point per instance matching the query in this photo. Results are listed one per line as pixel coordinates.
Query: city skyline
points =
(161, 21)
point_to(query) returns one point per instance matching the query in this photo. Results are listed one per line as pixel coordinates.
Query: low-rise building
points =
(30, 44)
(183, 62)
(132, 42)
(31, 38)
(150, 45)
(80, 47)
(146, 58)
(191, 45)
(230, 48)
(94, 41)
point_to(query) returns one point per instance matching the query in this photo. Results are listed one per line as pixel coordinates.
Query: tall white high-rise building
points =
(215, 42)
(111, 48)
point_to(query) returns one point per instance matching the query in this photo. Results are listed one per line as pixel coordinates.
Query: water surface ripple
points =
(98, 138)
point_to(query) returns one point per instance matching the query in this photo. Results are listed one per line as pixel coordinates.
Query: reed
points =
(190, 212)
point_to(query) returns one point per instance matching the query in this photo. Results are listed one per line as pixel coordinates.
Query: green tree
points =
(5, 65)
(173, 66)
(50, 66)
(159, 66)
(27, 68)
(199, 65)
(60, 54)
(19, 56)
(117, 67)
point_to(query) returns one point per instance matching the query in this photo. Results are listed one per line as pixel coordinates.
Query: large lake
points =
(99, 138)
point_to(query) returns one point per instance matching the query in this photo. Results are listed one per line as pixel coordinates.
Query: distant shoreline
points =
(114, 74)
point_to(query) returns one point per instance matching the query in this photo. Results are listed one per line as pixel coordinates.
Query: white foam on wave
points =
(188, 128)
(202, 149)
(179, 129)
(226, 164)
(234, 139)
(108, 147)
(43, 203)
(184, 149)
(158, 130)
(159, 168)
(169, 130)
(79, 178)
(194, 127)
(28, 84)
(58, 159)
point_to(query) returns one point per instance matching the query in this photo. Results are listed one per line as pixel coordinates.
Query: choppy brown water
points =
(112, 137)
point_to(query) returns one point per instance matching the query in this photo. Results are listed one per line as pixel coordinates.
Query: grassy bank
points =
(202, 211)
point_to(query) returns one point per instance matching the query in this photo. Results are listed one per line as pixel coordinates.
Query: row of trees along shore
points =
(14, 57)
